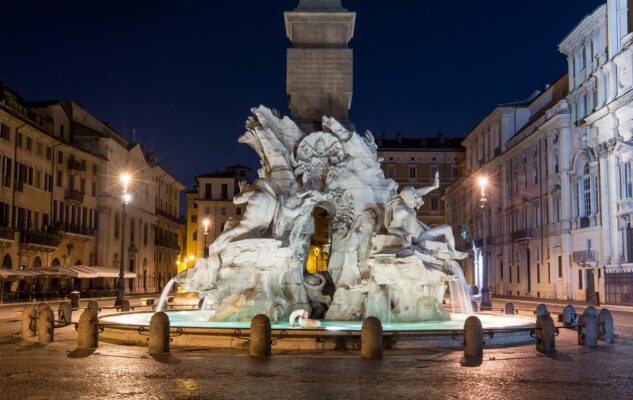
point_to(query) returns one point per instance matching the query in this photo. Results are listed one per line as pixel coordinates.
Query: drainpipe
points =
(14, 173)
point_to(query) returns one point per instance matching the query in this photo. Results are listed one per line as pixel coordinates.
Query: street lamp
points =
(485, 294)
(206, 223)
(125, 199)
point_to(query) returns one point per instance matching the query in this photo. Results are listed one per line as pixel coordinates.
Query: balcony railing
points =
(585, 256)
(72, 228)
(522, 234)
(7, 234)
(166, 243)
(74, 195)
(168, 216)
(40, 238)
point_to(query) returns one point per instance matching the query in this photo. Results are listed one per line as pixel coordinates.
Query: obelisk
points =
(319, 64)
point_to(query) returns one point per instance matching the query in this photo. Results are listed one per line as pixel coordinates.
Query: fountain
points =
(326, 236)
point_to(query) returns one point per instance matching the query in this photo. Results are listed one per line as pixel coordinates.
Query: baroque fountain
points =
(326, 237)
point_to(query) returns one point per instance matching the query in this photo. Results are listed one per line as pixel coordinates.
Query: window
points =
(4, 132)
(412, 172)
(580, 279)
(435, 203)
(238, 211)
(433, 171)
(94, 169)
(19, 139)
(145, 234)
(538, 273)
(555, 157)
(194, 236)
(510, 273)
(518, 274)
(586, 190)
(6, 171)
(207, 191)
(455, 172)
(549, 272)
(501, 269)
(49, 152)
(225, 191)
(60, 157)
(59, 179)
(94, 189)
(391, 171)
(194, 218)
(39, 148)
(223, 210)
(560, 266)
(48, 182)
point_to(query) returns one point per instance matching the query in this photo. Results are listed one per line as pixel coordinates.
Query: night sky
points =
(185, 74)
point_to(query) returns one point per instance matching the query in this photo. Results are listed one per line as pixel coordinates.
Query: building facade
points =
(413, 161)
(558, 214)
(61, 196)
(211, 200)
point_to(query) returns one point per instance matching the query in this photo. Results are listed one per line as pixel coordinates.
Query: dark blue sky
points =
(186, 73)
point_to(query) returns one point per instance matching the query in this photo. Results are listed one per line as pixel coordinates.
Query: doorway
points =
(590, 286)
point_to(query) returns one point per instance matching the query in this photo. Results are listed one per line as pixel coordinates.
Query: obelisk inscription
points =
(319, 64)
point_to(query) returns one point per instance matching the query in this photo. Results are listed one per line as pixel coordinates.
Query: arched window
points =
(55, 262)
(117, 224)
(586, 190)
(7, 262)
(37, 262)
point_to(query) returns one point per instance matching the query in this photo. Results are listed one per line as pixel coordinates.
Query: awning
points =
(74, 271)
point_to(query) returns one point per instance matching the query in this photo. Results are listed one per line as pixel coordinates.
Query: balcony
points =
(480, 242)
(74, 196)
(74, 165)
(162, 242)
(522, 234)
(7, 234)
(40, 240)
(167, 215)
(74, 229)
(585, 257)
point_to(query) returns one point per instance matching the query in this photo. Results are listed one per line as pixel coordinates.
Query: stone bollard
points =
(509, 309)
(93, 307)
(260, 336)
(125, 306)
(569, 313)
(605, 326)
(46, 326)
(88, 336)
(371, 342)
(591, 310)
(473, 303)
(38, 310)
(473, 341)
(64, 313)
(541, 309)
(74, 300)
(587, 330)
(545, 334)
(159, 334)
(28, 322)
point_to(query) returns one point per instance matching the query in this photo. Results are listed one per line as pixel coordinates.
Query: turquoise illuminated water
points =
(199, 319)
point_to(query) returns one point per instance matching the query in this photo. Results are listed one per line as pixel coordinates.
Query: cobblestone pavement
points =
(29, 370)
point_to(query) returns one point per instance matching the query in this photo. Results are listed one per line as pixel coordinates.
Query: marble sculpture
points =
(323, 195)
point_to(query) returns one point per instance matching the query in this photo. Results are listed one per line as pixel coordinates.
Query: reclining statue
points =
(401, 220)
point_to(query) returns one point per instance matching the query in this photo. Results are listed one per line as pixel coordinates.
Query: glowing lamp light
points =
(483, 181)
(206, 223)
(127, 197)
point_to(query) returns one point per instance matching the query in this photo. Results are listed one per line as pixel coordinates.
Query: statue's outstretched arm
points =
(424, 190)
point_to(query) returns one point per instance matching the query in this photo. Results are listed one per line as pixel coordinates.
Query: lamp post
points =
(125, 199)
(206, 223)
(485, 294)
